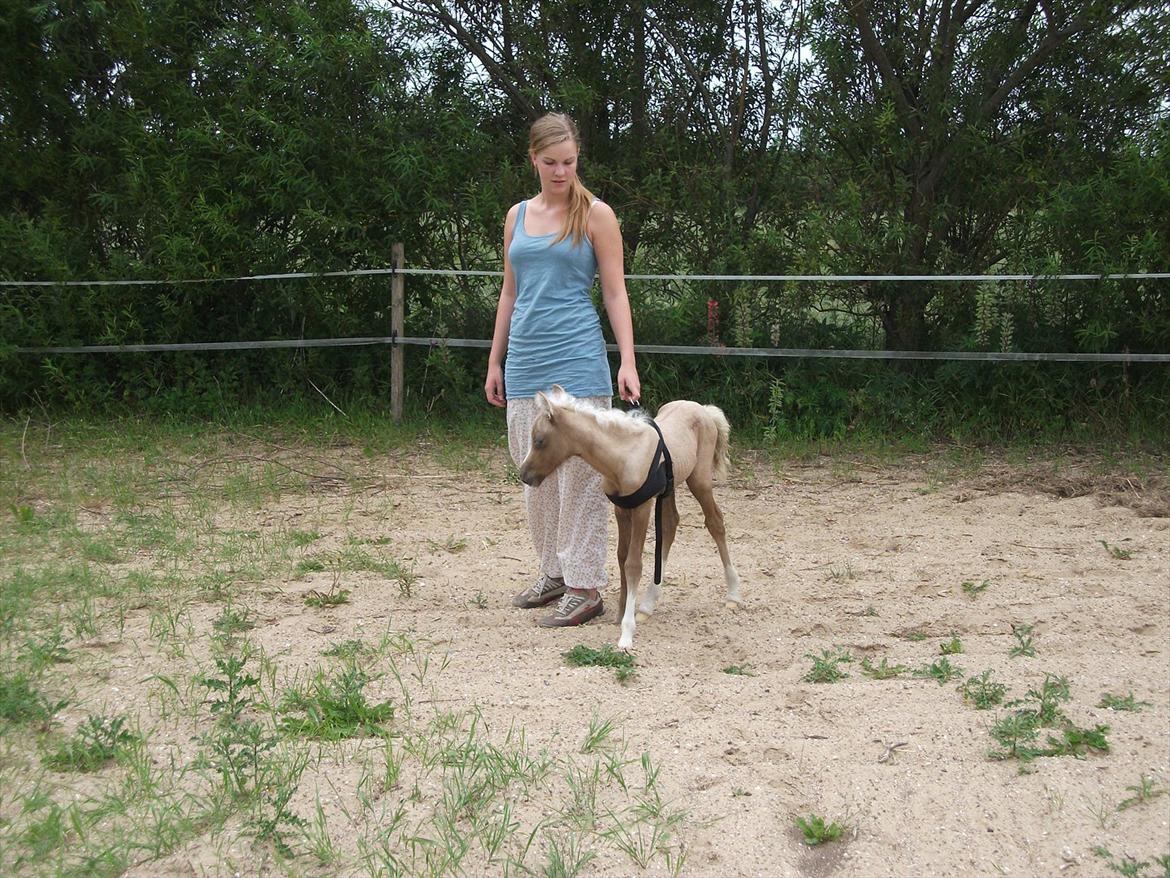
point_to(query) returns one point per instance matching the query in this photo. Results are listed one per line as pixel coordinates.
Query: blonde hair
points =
(549, 130)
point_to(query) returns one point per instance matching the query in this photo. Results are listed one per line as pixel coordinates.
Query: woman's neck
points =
(553, 203)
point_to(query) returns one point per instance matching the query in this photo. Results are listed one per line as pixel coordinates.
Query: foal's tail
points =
(720, 456)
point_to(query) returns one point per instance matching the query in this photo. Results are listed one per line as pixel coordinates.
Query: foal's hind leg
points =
(669, 525)
(713, 518)
(623, 550)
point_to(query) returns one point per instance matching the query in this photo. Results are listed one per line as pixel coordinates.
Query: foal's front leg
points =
(632, 570)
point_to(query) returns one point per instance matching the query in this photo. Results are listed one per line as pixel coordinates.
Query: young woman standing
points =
(550, 332)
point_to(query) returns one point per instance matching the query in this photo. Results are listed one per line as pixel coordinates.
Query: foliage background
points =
(201, 139)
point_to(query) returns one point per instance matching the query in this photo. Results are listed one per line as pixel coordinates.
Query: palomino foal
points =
(621, 448)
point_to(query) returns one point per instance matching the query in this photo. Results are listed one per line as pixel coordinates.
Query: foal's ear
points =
(543, 406)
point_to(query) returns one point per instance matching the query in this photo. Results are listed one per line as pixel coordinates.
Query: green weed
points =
(1025, 645)
(1116, 551)
(97, 742)
(1134, 868)
(582, 656)
(21, 703)
(816, 831)
(884, 671)
(1143, 791)
(325, 600)
(744, 670)
(826, 666)
(982, 691)
(954, 646)
(1119, 702)
(333, 709)
(942, 671)
(973, 589)
(347, 650)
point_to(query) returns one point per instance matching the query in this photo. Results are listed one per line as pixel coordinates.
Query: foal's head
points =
(549, 447)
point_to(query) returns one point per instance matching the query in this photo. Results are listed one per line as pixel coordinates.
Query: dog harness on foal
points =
(659, 483)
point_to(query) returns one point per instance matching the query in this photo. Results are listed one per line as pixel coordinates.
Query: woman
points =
(554, 243)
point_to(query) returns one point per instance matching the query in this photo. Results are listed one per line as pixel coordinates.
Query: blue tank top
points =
(555, 336)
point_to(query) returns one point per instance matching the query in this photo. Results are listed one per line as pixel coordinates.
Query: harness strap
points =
(659, 484)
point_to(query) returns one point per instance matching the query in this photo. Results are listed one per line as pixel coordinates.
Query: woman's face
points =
(557, 167)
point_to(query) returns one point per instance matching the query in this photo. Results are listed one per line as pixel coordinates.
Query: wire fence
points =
(396, 339)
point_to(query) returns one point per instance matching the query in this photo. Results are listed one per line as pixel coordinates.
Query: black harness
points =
(659, 484)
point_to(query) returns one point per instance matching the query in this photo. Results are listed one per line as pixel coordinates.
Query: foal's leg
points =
(669, 525)
(704, 492)
(622, 516)
(639, 518)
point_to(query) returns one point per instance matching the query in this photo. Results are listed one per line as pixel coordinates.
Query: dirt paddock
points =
(845, 556)
(832, 556)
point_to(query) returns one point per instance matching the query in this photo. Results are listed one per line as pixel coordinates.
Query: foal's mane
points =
(604, 417)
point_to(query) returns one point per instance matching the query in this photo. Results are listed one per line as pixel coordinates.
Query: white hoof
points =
(625, 642)
(731, 605)
(641, 616)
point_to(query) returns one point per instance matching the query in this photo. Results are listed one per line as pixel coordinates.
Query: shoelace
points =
(569, 602)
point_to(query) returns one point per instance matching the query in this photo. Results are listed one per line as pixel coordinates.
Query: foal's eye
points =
(538, 443)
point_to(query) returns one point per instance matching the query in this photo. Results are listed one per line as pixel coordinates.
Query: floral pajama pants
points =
(568, 514)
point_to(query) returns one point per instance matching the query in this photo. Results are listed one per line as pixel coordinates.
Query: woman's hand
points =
(493, 387)
(629, 387)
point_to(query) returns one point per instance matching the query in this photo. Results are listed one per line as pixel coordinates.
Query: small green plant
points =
(1119, 702)
(582, 656)
(744, 670)
(335, 709)
(816, 831)
(942, 671)
(1018, 733)
(826, 666)
(1133, 868)
(982, 691)
(914, 635)
(325, 600)
(884, 671)
(97, 742)
(1116, 551)
(597, 735)
(1143, 791)
(21, 703)
(954, 646)
(625, 675)
(973, 589)
(306, 566)
(301, 538)
(1024, 642)
(232, 622)
(479, 601)
(347, 649)
(45, 651)
(842, 574)
(452, 544)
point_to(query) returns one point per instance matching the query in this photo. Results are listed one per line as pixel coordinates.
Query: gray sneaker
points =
(574, 609)
(544, 591)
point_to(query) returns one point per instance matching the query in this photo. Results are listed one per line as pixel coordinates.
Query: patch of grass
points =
(1018, 733)
(99, 551)
(232, 621)
(454, 545)
(1122, 702)
(21, 703)
(983, 692)
(914, 635)
(884, 671)
(44, 651)
(1134, 868)
(744, 670)
(333, 709)
(942, 671)
(325, 600)
(478, 600)
(973, 589)
(582, 656)
(1117, 552)
(97, 742)
(954, 646)
(347, 650)
(841, 574)
(816, 831)
(1143, 791)
(1025, 646)
(597, 736)
(826, 666)
(301, 538)
(308, 565)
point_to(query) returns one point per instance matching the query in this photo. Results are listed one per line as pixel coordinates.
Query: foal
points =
(621, 448)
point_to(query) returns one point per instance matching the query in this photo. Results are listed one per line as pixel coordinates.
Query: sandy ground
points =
(833, 555)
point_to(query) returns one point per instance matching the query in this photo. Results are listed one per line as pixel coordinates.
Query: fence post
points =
(396, 321)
